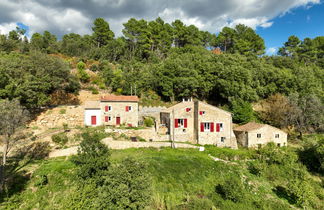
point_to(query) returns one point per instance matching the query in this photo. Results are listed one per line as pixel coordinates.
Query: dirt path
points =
(120, 145)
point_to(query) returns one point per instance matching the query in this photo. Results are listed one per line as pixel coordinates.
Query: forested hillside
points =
(163, 63)
(154, 59)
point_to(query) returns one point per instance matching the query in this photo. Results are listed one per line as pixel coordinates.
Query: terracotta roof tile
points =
(119, 98)
(249, 126)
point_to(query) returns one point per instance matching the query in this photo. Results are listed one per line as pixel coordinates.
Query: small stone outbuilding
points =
(253, 135)
(199, 123)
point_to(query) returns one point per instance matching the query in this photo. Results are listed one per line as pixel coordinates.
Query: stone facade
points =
(112, 110)
(255, 135)
(118, 109)
(199, 123)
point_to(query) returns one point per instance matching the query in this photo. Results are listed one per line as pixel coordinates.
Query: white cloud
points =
(271, 51)
(252, 22)
(62, 17)
(5, 28)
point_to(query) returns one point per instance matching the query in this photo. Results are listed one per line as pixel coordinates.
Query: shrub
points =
(126, 186)
(200, 203)
(94, 67)
(81, 66)
(60, 138)
(312, 155)
(65, 126)
(92, 158)
(62, 111)
(148, 121)
(277, 155)
(41, 180)
(232, 189)
(83, 76)
(256, 167)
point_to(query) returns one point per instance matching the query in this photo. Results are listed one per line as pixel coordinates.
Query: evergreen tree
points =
(101, 32)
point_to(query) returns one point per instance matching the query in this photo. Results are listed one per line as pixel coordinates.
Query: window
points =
(180, 123)
(107, 118)
(188, 109)
(207, 126)
(277, 136)
(128, 108)
(202, 112)
(259, 135)
(223, 139)
(278, 144)
(219, 127)
(108, 108)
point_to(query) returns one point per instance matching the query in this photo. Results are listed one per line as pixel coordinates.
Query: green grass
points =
(182, 179)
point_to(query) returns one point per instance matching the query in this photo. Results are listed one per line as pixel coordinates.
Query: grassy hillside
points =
(182, 179)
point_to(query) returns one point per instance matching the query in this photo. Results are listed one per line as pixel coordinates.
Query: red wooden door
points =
(93, 120)
(117, 120)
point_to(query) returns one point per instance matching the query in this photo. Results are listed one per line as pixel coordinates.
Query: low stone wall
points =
(120, 145)
(147, 133)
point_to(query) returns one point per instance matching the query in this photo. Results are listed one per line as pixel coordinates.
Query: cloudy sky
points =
(65, 16)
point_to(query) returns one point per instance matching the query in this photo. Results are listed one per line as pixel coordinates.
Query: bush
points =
(232, 189)
(60, 139)
(94, 67)
(83, 76)
(126, 186)
(199, 203)
(256, 167)
(312, 155)
(81, 66)
(62, 111)
(41, 180)
(148, 122)
(272, 154)
(65, 126)
(92, 158)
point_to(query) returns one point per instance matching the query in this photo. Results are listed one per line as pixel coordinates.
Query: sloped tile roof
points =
(249, 126)
(119, 98)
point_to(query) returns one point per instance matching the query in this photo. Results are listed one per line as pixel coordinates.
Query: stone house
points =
(199, 123)
(112, 110)
(255, 135)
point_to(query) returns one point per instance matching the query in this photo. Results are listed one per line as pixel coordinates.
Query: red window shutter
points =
(201, 127)
(217, 127)
(106, 118)
(106, 108)
(212, 127)
(93, 120)
(201, 113)
(176, 123)
(187, 109)
(185, 123)
(126, 108)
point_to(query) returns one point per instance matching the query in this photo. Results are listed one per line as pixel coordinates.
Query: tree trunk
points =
(3, 165)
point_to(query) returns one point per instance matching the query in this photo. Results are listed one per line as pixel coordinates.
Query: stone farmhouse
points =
(188, 121)
(199, 123)
(255, 135)
(112, 110)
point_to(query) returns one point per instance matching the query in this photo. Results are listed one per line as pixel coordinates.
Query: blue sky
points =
(302, 22)
(274, 20)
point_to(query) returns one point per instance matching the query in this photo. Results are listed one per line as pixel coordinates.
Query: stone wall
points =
(152, 111)
(148, 134)
(56, 117)
(121, 145)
